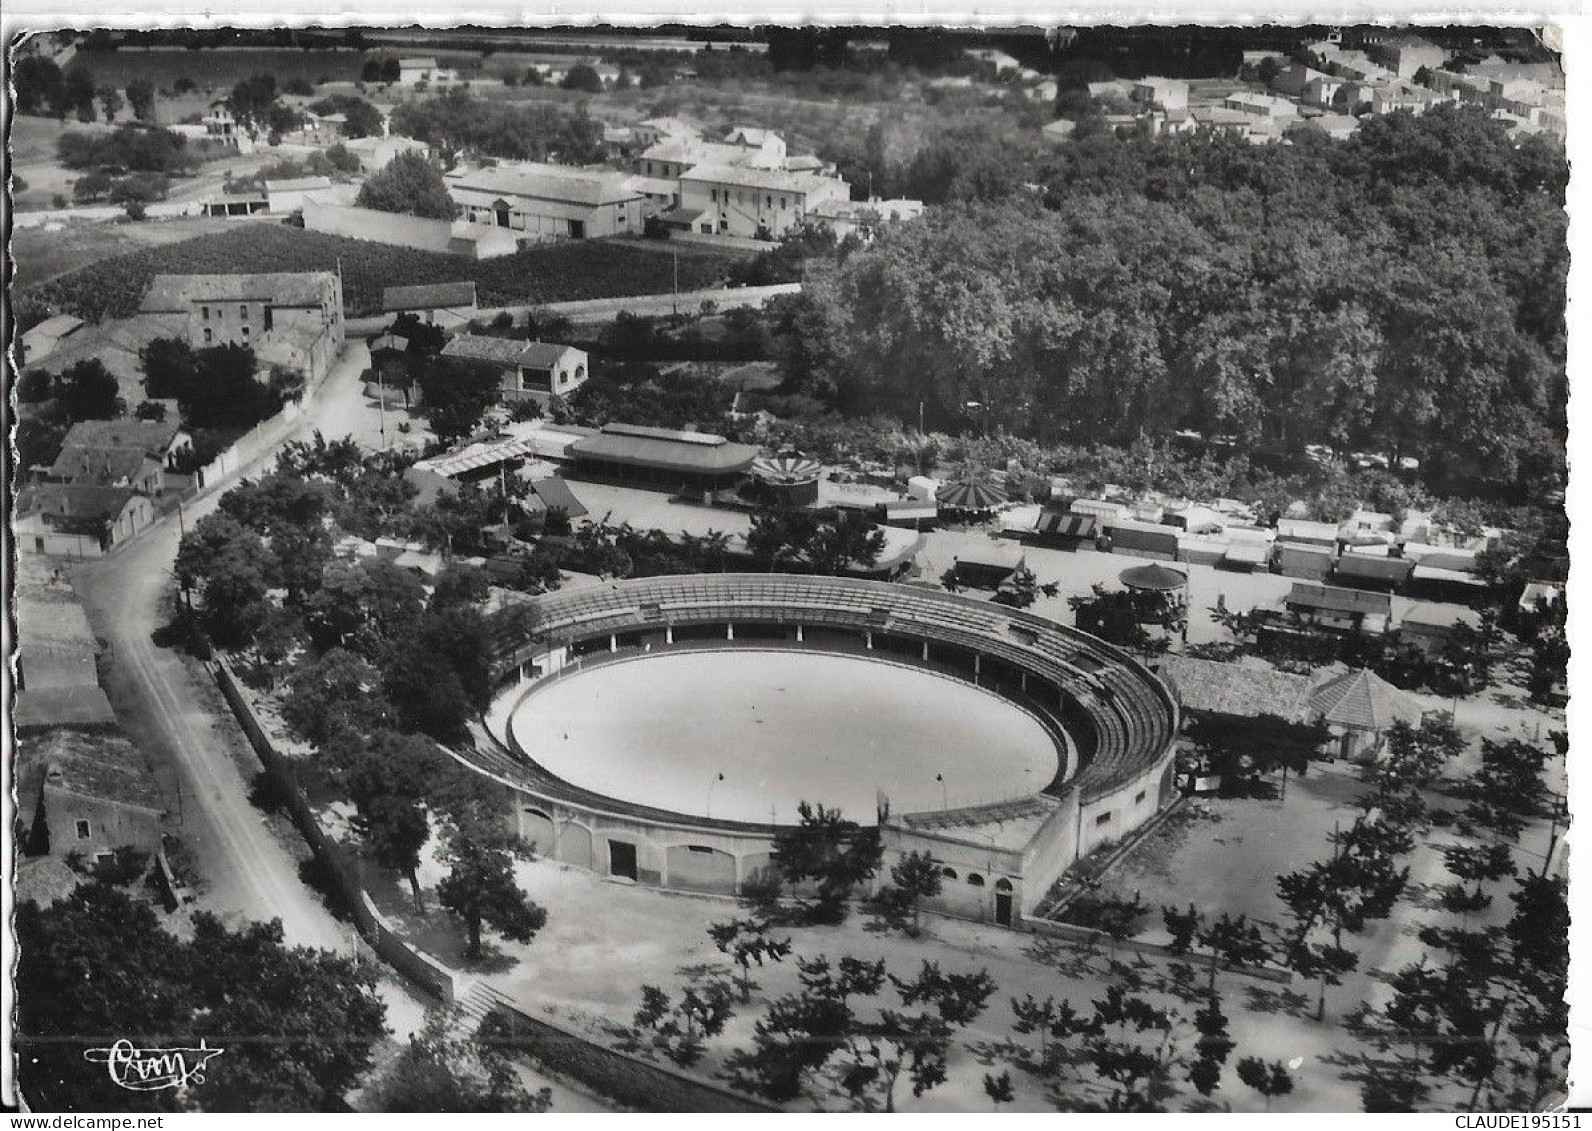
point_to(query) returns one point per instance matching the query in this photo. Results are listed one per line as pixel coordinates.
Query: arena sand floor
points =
(782, 727)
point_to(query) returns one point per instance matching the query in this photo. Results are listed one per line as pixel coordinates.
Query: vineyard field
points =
(219, 68)
(559, 272)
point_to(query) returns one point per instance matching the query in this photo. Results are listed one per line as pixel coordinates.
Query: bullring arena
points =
(659, 730)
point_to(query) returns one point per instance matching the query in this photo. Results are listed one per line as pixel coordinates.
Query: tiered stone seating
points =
(1131, 713)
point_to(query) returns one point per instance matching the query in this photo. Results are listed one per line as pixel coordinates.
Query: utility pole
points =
(676, 282)
(381, 381)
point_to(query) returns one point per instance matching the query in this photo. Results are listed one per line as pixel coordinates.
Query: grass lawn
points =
(545, 273)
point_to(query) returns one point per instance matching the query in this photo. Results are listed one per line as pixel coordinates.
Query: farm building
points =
(550, 201)
(80, 521)
(41, 341)
(699, 462)
(289, 319)
(865, 216)
(57, 648)
(754, 203)
(449, 305)
(528, 371)
(87, 793)
(424, 69)
(235, 204)
(376, 153)
(287, 196)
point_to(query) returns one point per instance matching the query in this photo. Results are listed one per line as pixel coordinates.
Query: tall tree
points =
(86, 390)
(442, 1070)
(410, 184)
(99, 960)
(832, 853)
(141, 98)
(480, 887)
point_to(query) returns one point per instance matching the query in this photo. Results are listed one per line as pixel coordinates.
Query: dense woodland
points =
(1402, 292)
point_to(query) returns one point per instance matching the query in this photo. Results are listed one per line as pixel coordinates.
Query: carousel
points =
(972, 497)
(1160, 593)
(787, 480)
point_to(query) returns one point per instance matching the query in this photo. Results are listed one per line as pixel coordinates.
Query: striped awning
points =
(1064, 524)
(786, 471)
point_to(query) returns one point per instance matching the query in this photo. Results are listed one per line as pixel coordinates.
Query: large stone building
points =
(290, 319)
(755, 203)
(550, 201)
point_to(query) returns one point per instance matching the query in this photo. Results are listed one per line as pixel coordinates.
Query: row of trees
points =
(515, 131)
(1202, 283)
(129, 147)
(380, 669)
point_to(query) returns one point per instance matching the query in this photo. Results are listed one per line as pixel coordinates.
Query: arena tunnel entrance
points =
(622, 859)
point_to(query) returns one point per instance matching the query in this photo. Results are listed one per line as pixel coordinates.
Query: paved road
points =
(164, 703)
(585, 310)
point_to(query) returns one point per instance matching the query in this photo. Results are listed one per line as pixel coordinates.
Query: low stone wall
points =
(629, 1080)
(341, 866)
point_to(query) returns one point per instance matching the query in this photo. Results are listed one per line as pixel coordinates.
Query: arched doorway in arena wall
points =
(574, 847)
(537, 827)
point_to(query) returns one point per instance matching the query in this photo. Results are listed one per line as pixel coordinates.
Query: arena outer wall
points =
(1113, 719)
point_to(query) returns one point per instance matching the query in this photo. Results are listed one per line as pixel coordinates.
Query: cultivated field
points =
(219, 67)
(548, 273)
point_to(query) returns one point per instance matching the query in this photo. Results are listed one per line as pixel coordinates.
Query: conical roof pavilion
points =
(1362, 700)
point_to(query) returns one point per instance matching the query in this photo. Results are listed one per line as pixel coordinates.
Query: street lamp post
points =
(711, 784)
(945, 797)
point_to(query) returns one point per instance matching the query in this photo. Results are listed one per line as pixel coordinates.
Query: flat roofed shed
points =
(1330, 598)
(663, 449)
(429, 296)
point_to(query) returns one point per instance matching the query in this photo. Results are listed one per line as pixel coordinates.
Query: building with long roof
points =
(550, 201)
(663, 458)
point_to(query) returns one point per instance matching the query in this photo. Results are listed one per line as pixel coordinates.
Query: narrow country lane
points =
(160, 699)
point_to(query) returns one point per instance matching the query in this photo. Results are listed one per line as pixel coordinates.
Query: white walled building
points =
(757, 203)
